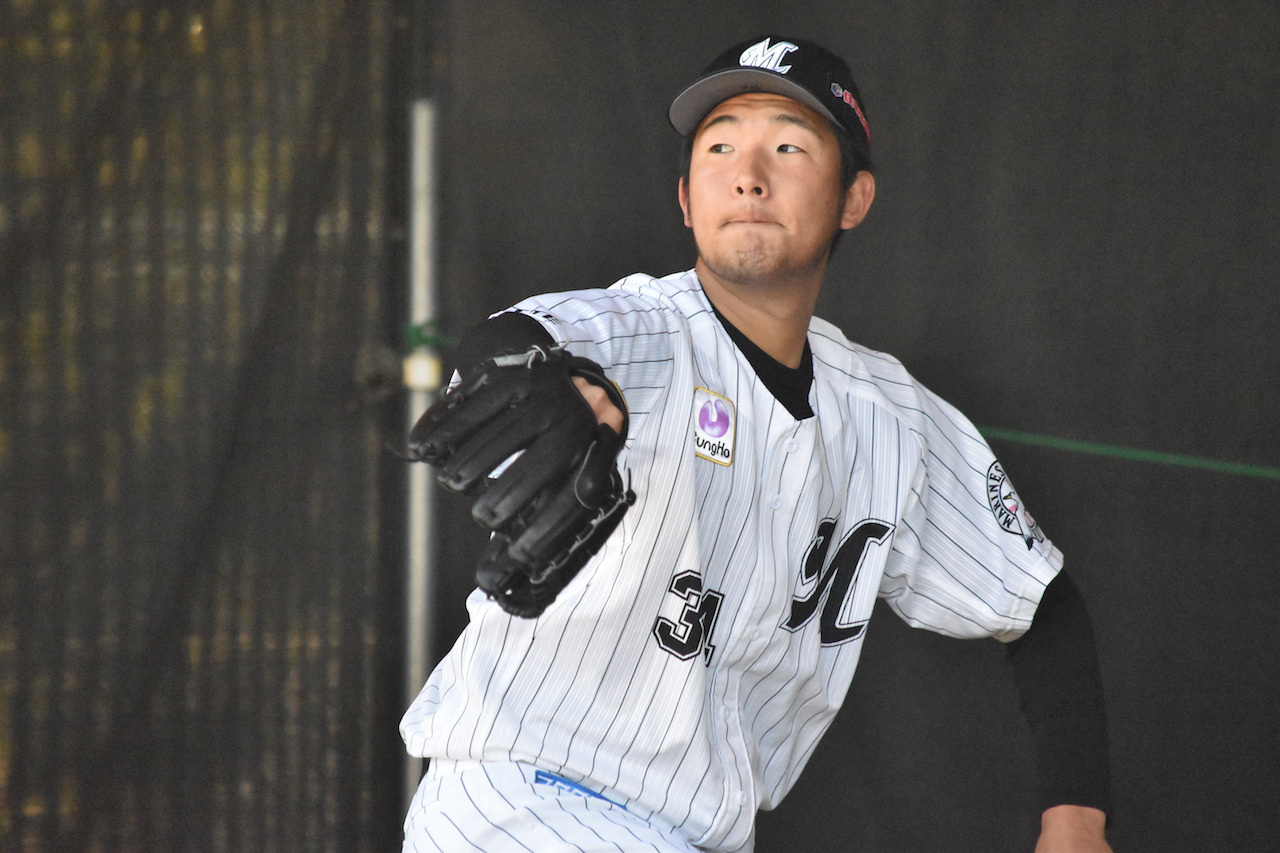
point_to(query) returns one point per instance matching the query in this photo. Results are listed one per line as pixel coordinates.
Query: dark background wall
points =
(200, 239)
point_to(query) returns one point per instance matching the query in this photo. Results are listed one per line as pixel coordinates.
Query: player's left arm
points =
(1055, 668)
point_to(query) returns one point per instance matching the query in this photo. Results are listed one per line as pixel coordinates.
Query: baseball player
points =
(696, 492)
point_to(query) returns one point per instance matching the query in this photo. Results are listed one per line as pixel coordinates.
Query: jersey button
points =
(776, 503)
(742, 799)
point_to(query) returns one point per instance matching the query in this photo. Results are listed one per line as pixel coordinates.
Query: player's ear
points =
(857, 200)
(682, 190)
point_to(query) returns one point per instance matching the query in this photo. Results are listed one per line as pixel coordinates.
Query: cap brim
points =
(693, 104)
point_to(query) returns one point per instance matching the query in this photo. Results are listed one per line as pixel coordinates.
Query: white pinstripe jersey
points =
(690, 669)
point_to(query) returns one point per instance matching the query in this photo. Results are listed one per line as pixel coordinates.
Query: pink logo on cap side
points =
(847, 96)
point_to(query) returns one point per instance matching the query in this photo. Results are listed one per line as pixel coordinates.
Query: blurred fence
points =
(199, 598)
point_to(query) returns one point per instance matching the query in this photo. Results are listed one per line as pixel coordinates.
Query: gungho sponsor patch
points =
(714, 423)
(1007, 507)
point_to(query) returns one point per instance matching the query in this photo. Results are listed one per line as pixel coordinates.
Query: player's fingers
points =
(606, 411)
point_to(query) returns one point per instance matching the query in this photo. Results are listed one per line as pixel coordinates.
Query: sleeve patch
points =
(1010, 513)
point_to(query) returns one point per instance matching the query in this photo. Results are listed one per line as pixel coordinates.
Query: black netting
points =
(199, 629)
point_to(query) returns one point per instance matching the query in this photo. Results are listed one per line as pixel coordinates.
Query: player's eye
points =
(787, 148)
(720, 148)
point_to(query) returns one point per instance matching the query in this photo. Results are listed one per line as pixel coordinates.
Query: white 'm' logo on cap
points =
(763, 55)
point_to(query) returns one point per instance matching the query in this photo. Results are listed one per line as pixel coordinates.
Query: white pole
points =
(422, 375)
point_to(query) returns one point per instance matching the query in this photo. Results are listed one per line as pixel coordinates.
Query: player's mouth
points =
(751, 216)
(751, 219)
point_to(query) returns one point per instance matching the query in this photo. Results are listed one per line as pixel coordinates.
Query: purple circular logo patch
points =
(713, 418)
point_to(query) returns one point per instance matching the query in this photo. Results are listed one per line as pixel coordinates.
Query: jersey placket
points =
(785, 445)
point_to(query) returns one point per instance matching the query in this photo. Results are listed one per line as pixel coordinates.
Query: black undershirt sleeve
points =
(1055, 668)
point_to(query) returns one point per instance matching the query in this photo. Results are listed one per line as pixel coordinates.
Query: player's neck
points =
(775, 318)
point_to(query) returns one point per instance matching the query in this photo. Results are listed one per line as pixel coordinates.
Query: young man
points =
(783, 479)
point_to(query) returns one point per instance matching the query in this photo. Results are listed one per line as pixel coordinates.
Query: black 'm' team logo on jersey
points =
(826, 586)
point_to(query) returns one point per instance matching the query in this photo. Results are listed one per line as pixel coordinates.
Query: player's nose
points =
(751, 178)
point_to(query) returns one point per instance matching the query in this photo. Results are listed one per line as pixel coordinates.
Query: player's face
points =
(763, 197)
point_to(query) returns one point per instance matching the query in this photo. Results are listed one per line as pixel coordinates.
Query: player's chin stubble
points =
(757, 262)
(753, 260)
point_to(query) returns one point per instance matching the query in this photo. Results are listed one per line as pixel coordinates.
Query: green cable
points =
(1133, 454)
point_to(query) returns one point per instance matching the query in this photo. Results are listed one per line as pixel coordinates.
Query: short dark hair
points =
(855, 157)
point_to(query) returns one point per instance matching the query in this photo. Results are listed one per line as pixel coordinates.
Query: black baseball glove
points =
(551, 508)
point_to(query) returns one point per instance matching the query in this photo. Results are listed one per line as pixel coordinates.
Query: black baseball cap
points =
(795, 68)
